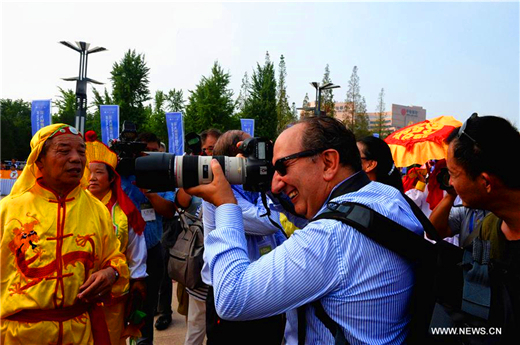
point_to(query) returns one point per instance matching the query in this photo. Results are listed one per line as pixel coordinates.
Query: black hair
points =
(148, 137)
(496, 148)
(327, 132)
(378, 150)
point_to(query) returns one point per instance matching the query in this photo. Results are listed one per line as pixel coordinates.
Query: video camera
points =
(127, 149)
(443, 177)
(165, 171)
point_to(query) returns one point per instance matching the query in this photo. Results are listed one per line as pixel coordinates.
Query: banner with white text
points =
(175, 133)
(40, 114)
(248, 126)
(109, 122)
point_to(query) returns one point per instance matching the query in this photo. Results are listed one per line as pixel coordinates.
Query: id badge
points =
(148, 212)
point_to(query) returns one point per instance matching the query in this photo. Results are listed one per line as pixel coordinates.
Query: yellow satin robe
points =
(49, 247)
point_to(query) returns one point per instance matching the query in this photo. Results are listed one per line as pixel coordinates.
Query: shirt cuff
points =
(229, 216)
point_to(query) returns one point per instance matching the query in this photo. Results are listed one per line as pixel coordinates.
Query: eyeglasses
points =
(462, 129)
(281, 168)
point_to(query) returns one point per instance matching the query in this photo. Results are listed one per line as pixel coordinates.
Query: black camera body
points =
(260, 170)
(127, 149)
(165, 171)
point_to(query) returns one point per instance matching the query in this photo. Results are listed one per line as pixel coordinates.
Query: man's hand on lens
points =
(218, 192)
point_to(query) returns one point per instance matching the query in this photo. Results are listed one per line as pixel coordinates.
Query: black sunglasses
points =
(462, 129)
(281, 168)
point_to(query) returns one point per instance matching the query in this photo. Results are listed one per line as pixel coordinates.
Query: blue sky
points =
(450, 58)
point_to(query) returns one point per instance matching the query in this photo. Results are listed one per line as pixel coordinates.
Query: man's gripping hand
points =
(218, 192)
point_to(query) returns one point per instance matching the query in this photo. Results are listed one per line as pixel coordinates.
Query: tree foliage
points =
(130, 87)
(243, 96)
(306, 107)
(362, 121)
(16, 129)
(67, 105)
(211, 105)
(261, 105)
(283, 112)
(175, 101)
(380, 125)
(327, 96)
(357, 120)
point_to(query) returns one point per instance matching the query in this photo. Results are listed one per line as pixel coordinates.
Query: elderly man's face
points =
(63, 164)
(303, 182)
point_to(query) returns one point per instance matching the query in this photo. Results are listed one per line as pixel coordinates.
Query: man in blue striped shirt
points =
(363, 287)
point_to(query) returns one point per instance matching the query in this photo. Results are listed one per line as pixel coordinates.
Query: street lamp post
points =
(82, 80)
(319, 88)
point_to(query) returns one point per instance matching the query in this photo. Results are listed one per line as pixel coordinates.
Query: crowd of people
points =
(84, 250)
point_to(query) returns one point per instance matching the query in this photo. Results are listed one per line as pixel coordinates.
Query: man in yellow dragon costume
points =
(59, 255)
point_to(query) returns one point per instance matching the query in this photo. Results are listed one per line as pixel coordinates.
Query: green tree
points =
(243, 96)
(362, 121)
(175, 101)
(353, 99)
(16, 129)
(306, 107)
(211, 105)
(294, 112)
(380, 125)
(130, 87)
(283, 112)
(93, 122)
(327, 96)
(356, 107)
(67, 105)
(261, 105)
(156, 118)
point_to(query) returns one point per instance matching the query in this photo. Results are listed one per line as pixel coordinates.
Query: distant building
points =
(400, 116)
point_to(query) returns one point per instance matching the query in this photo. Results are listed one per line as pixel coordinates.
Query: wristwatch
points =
(117, 273)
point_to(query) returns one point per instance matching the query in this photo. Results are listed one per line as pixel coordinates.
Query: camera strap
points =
(268, 214)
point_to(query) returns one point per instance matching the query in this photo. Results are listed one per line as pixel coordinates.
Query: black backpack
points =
(438, 272)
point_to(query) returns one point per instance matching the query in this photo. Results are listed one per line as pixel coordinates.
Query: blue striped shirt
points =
(363, 286)
(261, 234)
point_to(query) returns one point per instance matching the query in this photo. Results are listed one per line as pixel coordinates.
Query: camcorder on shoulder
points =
(127, 149)
(166, 171)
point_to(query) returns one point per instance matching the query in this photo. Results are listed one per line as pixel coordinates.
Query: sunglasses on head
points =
(462, 129)
(281, 168)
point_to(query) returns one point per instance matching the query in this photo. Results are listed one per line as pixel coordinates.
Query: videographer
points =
(153, 207)
(363, 287)
(478, 154)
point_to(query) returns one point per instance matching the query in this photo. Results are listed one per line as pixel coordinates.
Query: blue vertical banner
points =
(248, 126)
(175, 133)
(109, 122)
(40, 114)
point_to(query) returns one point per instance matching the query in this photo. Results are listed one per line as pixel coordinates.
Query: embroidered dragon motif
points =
(26, 238)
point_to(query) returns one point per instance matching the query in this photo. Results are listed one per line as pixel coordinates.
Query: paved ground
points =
(173, 335)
